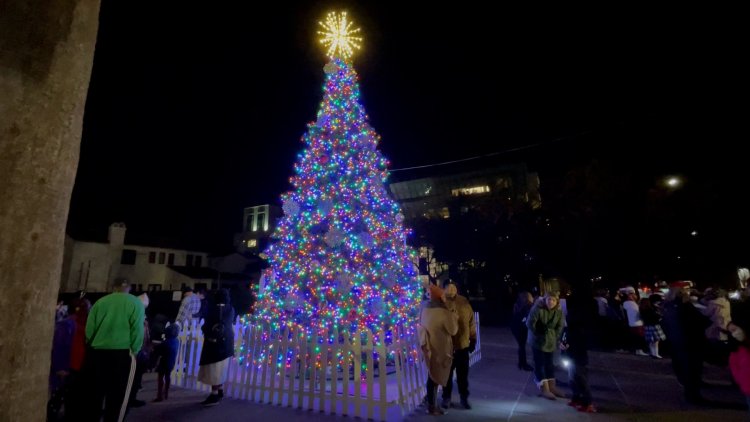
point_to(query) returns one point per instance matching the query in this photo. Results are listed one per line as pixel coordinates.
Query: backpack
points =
(218, 331)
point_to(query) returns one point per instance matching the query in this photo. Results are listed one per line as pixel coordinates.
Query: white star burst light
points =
(338, 36)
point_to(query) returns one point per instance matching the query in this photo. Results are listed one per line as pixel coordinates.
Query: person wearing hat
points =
(114, 335)
(437, 326)
(464, 342)
(684, 326)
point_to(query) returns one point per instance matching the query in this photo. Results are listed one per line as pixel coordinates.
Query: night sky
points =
(195, 113)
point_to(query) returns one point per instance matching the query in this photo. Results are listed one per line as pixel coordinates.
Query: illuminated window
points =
(470, 191)
(252, 243)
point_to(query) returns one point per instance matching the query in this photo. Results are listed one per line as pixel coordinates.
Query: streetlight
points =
(673, 182)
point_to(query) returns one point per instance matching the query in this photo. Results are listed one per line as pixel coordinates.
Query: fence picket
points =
(382, 374)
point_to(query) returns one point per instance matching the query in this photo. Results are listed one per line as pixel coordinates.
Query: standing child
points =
(545, 324)
(651, 314)
(166, 353)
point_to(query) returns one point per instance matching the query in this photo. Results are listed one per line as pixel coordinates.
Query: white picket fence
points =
(348, 377)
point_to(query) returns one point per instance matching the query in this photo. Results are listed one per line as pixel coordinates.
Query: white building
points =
(92, 266)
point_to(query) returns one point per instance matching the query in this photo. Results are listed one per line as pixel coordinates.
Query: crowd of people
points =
(100, 353)
(698, 327)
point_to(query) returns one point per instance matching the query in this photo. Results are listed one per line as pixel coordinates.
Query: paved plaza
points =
(625, 388)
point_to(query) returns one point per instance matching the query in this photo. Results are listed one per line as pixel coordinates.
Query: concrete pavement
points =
(625, 388)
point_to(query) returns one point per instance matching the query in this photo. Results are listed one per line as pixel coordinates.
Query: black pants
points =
(521, 336)
(431, 392)
(578, 376)
(73, 395)
(140, 369)
(544, 366)
(461, 366)
(107, 376)
(688, 366)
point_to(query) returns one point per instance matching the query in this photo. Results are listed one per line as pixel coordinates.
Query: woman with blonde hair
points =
(545, 324)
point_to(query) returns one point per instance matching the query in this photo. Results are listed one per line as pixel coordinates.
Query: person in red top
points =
(68, 351)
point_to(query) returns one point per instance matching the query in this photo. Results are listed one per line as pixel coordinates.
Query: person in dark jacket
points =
(518, 327)
(582, 312)
(545, 324)
(218, 345)
(684, 326)
(166, 354)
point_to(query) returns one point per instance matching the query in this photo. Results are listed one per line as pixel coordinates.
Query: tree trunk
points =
(46, 54)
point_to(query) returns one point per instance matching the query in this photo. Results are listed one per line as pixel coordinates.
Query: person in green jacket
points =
(545, 324)
(114, 335)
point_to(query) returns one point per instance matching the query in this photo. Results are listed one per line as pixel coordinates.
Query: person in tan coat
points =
(464, 342)
(437, 325)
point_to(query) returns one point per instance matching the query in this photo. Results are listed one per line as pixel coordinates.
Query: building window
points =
(162, 257)
(154, 287)
(198, 260)
(445, 212)
(152, 257)
(252, 243)
(470, 190)
(260, 223)
(128, 257)
(189, 260)
(170, 259)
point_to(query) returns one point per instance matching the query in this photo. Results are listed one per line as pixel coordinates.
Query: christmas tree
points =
(338, 257)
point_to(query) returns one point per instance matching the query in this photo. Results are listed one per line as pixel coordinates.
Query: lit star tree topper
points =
(338, 258)
(338, 36)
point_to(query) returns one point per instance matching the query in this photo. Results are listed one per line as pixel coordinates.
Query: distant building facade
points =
(496, 189)
(435, 193)
(258, 223)
(92, 266)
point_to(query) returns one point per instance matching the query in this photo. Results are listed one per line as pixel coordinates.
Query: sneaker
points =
(587, 409)
(212, 400)
(445, 403)
(641, 353)
(465, 404)
(656, 357)
(136, 403)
